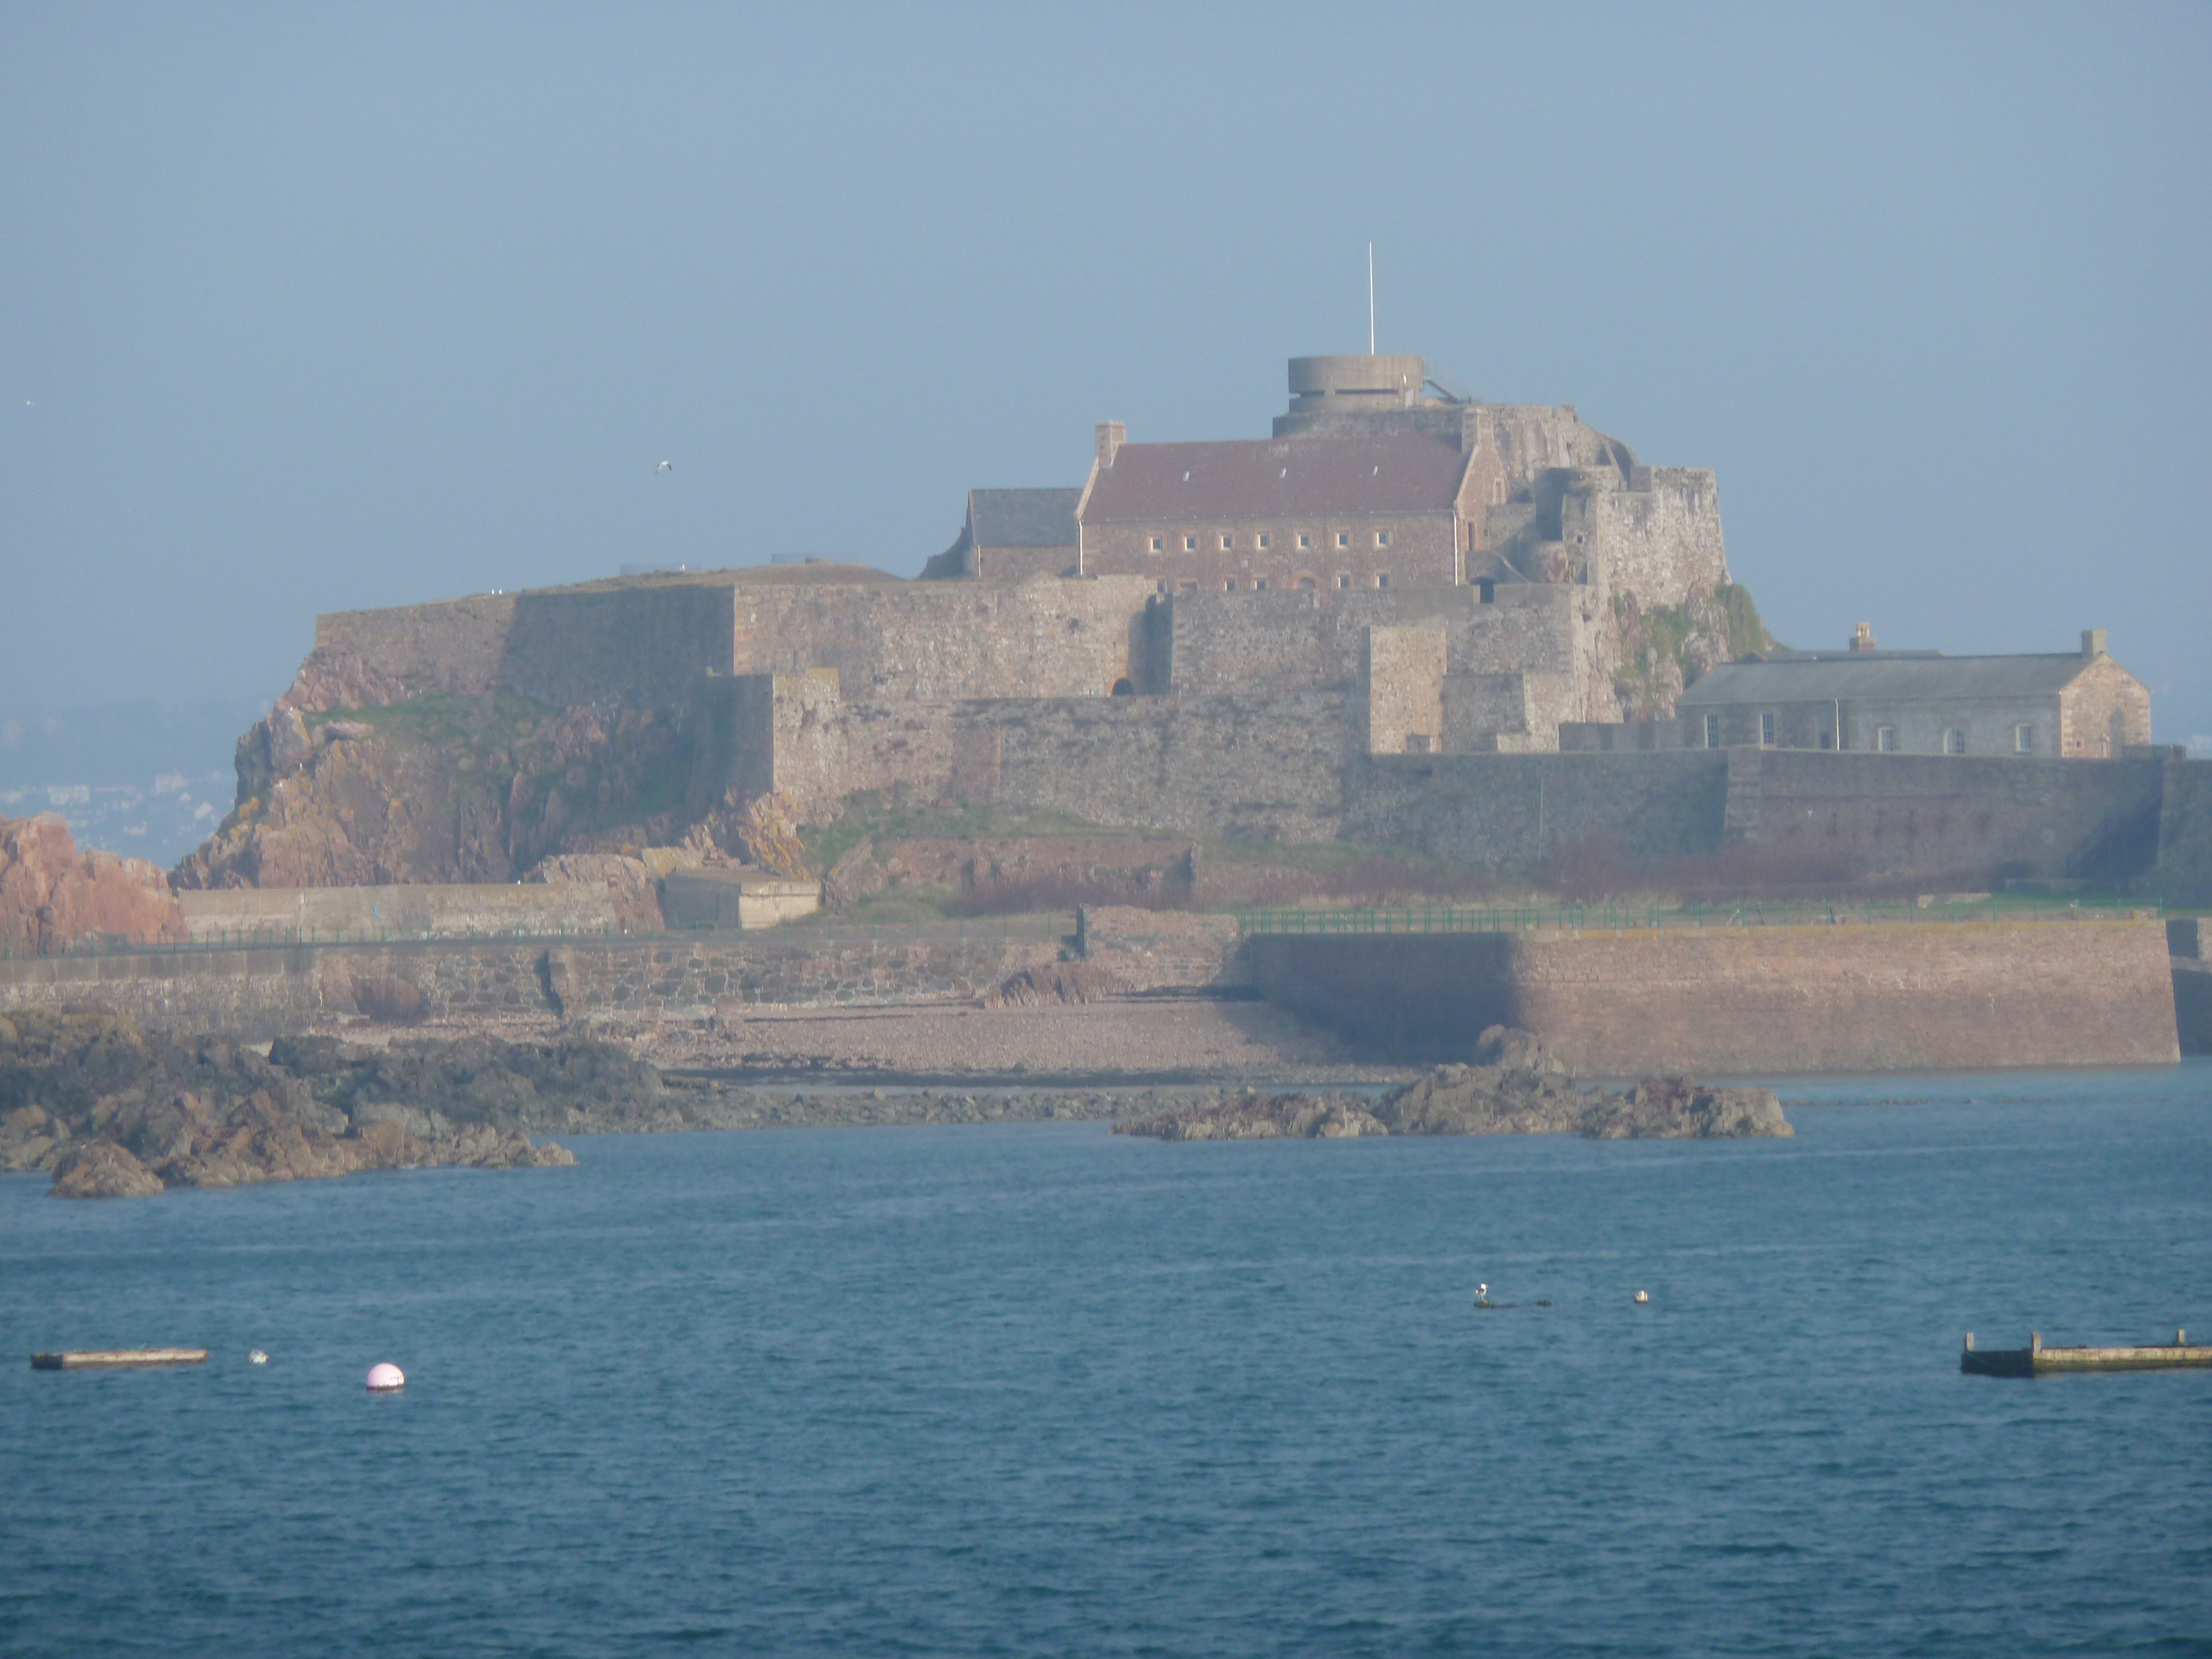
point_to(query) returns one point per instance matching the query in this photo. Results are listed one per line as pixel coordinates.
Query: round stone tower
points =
(1342, 394)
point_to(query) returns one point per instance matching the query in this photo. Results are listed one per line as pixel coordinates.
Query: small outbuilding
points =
(2075, 705)
(1013, 533)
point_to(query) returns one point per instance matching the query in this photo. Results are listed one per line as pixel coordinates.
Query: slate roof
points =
(1022, 517)
(1285, 478)
(1901, 678)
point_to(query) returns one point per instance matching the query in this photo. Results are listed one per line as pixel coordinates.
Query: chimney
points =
(1473, 428)
(1112, 435)
(1862, 637)
(2092, 642)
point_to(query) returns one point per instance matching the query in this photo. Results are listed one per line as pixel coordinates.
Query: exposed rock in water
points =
(51, 894)
(103, 1170)
(116, 1113)
(1261, 1117)
(1530, 1096)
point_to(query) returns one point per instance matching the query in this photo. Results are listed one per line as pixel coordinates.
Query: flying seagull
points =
(666, 466)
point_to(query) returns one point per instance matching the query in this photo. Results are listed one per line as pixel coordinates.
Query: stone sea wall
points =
(266, 992)
(1925, 997)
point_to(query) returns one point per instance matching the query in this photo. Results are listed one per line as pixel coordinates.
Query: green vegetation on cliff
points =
(1664, 649)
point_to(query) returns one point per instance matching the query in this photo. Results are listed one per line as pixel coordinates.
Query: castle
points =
(1384, 622)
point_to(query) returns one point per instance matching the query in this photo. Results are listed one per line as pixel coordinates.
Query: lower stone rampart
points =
(443, 910)
(1512, 811)
(1764, 1001)
(264, 992)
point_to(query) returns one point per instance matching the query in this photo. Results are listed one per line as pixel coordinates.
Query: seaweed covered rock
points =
(101, 1168)
(1521, 1089)
(1678, 1108)
(1260, 1117)
(115, 1112)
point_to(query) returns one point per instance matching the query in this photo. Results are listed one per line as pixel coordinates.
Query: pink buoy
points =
(385, 1378)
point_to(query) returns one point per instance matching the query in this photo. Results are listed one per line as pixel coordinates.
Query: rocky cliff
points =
(441, 789)
(52, 895)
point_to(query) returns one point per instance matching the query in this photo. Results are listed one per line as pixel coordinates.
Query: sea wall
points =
(2188, 940)
(443, 911)
(264, 992)
(1762, 1001)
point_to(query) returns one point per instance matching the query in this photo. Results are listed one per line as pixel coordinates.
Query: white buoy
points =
(257, 1357)
(385, 1379)
(1642, 1296)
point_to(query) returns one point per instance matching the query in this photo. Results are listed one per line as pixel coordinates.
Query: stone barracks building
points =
(2072, 705)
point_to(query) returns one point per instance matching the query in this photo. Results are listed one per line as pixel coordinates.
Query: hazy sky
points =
(305, 308)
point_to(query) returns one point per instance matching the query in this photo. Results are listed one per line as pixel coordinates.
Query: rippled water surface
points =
(1041, 1390)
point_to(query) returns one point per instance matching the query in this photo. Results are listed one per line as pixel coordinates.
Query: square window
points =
(1885, 738)
(1713, 731)
(1304, 540)
(1226, 544)
(1155, 544)
(1229, 587)
(2023, 740)
(1264, 543)
(1344, 538)
(1260, 586)
(1767, 730)
(1343, 580)
(1190, 544)
(1381, 538)
(1381, 579)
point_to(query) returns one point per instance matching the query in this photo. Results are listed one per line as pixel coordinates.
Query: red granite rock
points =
(52, 895)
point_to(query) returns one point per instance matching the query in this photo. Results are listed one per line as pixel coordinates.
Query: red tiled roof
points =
(1285, 478)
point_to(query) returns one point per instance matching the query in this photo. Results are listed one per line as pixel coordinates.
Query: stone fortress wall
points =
(370, 659)
(1421, 716)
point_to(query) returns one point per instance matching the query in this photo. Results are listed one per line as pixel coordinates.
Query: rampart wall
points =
(1761, 1001)
(1659, 540)
(367, 659)
(1272, 765)
(1039, 638)
(1402, 679)
(2183, 872)
(1508, 811)
(454, 910)
(1246, 641)
(647, 645)
(1982, 817)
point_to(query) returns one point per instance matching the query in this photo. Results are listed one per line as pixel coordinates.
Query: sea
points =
(1039, 1389)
